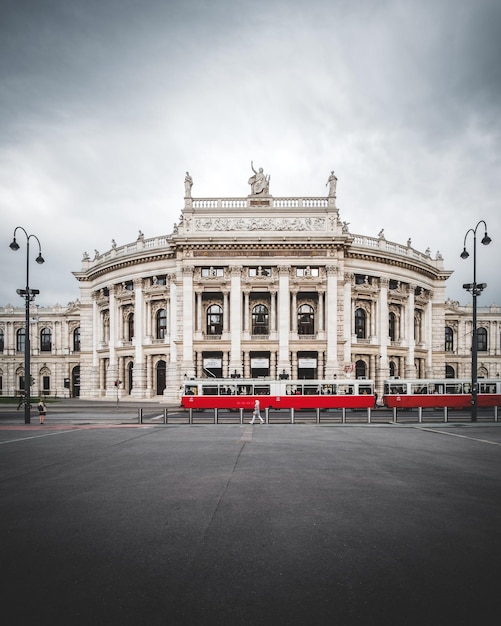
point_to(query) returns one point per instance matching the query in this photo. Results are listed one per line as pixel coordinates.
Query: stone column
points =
(348, 322)
(246, 327)
(225, 311)
(236, 319)
(138, 372)
(273, 314)
(188, 366)
(294, 311)
(115, 325)
(199, 326)
(283, 319)
(320, 313)
(428, 337)
(96, 382)
(332, 321)
(383, 315)
(410, 367)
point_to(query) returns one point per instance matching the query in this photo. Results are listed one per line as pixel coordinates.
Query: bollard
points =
(368, 415)
(318, 415)
(446, 417)
(420, 414)
(140, 416)
(165, 415)
(394, 414)
(190, 416)
(292, 415)
(266, 415)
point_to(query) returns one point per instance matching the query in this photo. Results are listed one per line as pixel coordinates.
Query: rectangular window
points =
(259, 271)
(307, 271)
(212, 272)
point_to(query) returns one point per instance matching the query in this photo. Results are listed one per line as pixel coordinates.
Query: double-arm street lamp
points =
(475, 289)
(28, 295)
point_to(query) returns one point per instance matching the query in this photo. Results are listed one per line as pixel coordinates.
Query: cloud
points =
(105, 105)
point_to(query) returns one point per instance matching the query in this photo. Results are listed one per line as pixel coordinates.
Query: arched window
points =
(449, 372)
(481, 339)
(130, 377)
(215, 320)
(20, 340)
(161, 376)
(46, 340)
(392, 326)
(449, 339)
(360, 369)
(361, 323)
(393, 369)
(306, 320)
(161, 324)
(76, 340)
(260, 320)
(130, 327)
(2, 347)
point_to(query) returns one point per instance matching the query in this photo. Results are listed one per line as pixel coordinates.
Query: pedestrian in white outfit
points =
(256, 413)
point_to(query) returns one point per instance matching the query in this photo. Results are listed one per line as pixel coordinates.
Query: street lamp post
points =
(475, 289)
(28, 295)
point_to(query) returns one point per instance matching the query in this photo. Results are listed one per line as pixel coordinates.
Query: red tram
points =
(241, 393)
(448, 392)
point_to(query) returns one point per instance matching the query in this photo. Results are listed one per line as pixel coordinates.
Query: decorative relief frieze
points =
(261, 223)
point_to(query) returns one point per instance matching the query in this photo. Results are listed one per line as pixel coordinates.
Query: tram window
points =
(244, 390)
(467, 388)
(455, 388)
(486, 388)
(364, 390)
(311, 390)
(190, 390)
(346, 390)
(262, 390)
(396, 389)
(328, 390)
(437, 389)
(419, 389)
(210, 390)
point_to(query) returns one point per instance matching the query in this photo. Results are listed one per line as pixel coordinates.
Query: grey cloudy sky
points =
(104, 105)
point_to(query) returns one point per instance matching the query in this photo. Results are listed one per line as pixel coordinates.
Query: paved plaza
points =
(237, 524)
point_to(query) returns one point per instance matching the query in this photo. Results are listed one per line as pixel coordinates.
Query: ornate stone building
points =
(251, 286)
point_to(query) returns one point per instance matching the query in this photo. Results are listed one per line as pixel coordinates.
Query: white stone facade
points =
(253, 286)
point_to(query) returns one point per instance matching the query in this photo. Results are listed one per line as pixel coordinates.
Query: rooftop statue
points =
(332, 182)
(188, 184)
(259, 182)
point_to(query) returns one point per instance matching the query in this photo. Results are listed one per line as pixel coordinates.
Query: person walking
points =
(256, 413)
(42, 410)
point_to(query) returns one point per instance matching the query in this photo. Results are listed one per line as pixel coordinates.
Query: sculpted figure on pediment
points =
(259, 182)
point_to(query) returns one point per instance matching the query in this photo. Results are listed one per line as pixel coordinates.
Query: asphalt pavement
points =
(107, 523)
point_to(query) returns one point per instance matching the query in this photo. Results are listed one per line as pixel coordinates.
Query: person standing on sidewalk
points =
(256, 413)
(42, 410)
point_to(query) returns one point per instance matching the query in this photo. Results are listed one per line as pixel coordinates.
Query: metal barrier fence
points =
(317, 416)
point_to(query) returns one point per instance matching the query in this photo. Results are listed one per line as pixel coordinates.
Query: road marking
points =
(58, 432)
(246, 435)
(444, 432)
